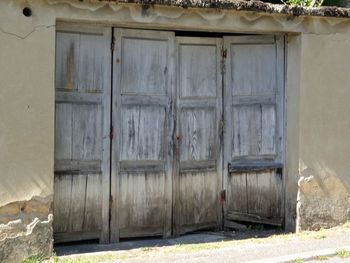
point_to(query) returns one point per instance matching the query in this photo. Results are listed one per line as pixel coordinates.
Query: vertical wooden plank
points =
(143, 132)
(92, 63)
(144, 64)
(106, 143)
(62, 202)
(116, 144)
(198, 133)
(93, 208)
(78, 196)
(67, 55)
(237, 196)
(63, 131)
(169, 137)
(87, 132)
(264, 194)
(268, 129)
(198, 73)
(139, 204)
(251, 75)
(280, 99)
(281, 56)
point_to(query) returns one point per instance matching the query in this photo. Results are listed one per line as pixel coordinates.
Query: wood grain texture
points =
(81, 133)
(198, 74)
(144, 65)
(253, 70)
(254, 115)
(143, 88)
(265, 194)
(198, 170)
(237, 194)
(143, 132)
(254, 130)
(198, 200)
(198, 135)
(77, 204)
(79, 64)
(141, 201)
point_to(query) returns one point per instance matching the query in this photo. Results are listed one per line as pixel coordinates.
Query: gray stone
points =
(19, 241)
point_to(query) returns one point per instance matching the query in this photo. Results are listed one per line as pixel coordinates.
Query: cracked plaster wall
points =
(316, 92)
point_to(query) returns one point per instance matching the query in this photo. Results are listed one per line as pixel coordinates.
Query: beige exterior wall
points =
(317, 115)
(324, 167)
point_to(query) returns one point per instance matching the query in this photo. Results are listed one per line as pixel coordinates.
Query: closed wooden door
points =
(253, 142)
(82, 120)
(142, 151)
(198, 169)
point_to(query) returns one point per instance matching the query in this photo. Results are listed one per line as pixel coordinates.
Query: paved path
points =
(264, 250)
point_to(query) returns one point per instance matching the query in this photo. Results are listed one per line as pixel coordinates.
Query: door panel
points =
(81, 134)
(253, 145)
(139, 142)
(198, 130)
(143, 120)
(197, 178)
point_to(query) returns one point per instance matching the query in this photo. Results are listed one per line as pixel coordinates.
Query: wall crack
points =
(35, 29)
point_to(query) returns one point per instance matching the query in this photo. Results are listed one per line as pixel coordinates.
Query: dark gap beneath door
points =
(207, 34)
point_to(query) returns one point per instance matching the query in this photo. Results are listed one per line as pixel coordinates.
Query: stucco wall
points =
(26, 133)
(317, 131)
(324, 185)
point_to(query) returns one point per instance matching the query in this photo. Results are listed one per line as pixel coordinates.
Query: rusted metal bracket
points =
(110, 202)
(223, 196)
(113, 44)
(111, 133)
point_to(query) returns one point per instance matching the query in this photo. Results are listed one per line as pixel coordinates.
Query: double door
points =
(140, 130)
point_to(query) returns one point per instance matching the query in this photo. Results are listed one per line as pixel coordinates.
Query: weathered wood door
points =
(82, 120)
(145, 141)
(198, 169)
(142, 151)
(253, 142)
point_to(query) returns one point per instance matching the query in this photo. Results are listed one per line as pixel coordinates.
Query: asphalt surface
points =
(258, 250)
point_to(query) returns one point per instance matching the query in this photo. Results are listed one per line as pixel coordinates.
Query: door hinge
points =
(222, 126)
(110, 202)
(223, 63)
(113, 44)
(223, 196)
(224, 52)
(111, 133)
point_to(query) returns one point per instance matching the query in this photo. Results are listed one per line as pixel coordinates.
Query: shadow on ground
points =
(193, 238)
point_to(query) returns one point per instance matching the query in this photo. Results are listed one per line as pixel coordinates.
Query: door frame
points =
(107, 200)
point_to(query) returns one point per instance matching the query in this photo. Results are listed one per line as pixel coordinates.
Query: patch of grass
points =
(195, 247)
(342, 253)
(320, 258)
(347, 224)
(33, 259)
(298, 261)
(145, 248)
(319, 236)
(88, 259)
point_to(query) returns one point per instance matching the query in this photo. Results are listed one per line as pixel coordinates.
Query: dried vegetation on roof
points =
(238, 5)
